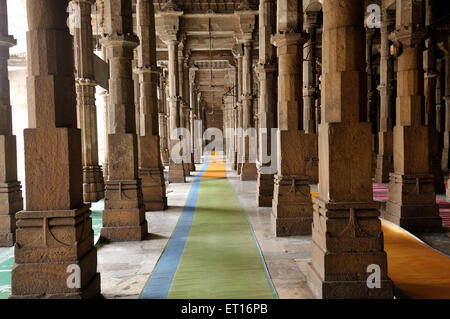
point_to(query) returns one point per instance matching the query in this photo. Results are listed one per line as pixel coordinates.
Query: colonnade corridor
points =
(186, 154)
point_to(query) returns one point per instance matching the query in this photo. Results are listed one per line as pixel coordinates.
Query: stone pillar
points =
(193, 111)
(124, 214)
(346, 235)
(446, 108)
(105, 96)
(136, 94)
(188, 112)
(291, 207)
(55, 232)
(431, 75)
(182, 93)
(267, 75)
(445, 160)
(385, 134)
(93, 185)
(151, 171)
(176, 170)
(309, 96)
(238, 140)
(371, 95)
(10, 189)
(163, 116)
(412, 200)
(248, 169)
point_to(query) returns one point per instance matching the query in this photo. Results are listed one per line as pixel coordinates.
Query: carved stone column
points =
(150, 167)
(412, 200)
(193, 100)
(93, 185)
(371, 95)
(247, 24)
(163, 116)
(248, 169)
(10, 189)
(309, 96)
(445, 160)
(431, 75)
(188, 113)
(124, 214)
(105, 96)
(136, 94)
(291, 207)
(182, 92)
(385, 134)
(446, 107)
(176, 170)
(346, 235)
(55, 233)
(267, 75)
(238, 140)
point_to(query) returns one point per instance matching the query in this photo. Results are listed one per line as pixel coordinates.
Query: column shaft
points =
(10, 189)
(163, 116)
(150, 166)
(385, 135)
(248, 167)
(176, 168)
(124, 214)
(431, 75)
(412, 199)
(291, 207)
(267, 75)
(238, 140)
(93, 185)
(309, 96)
(55, 232)
(346, 235)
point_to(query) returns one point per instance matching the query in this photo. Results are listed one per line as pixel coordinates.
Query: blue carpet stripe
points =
(159, 284)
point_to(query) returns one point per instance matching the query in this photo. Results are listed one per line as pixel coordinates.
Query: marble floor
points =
(125, 267)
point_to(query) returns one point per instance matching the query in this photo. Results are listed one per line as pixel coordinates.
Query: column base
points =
(346, 240)
(264, 189)
(48, 243)
(412, 203)
(292, 210)
(248, 172)
(383, 169)
(176, 173)
(346, 289)
(153, 189)
(124, 214)
(93, 184)
(11, 201)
